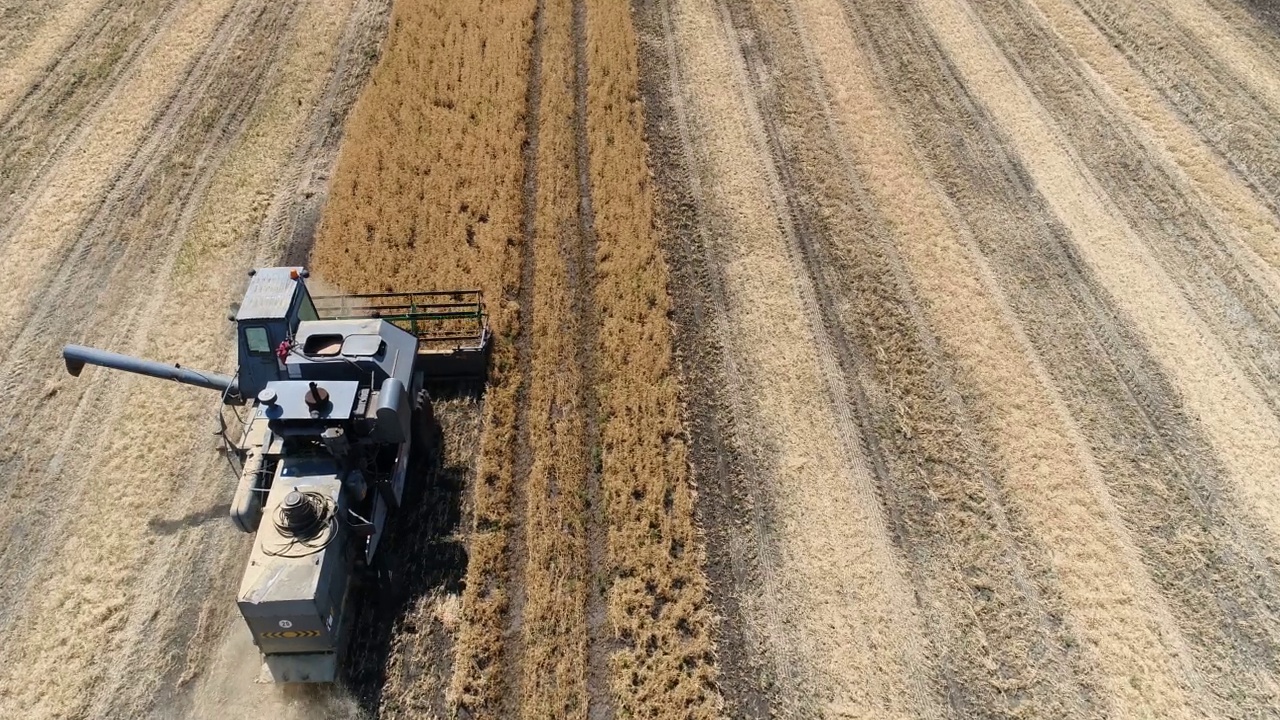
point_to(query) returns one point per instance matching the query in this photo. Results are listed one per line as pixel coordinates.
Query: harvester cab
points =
(267, 320)
(336, 396)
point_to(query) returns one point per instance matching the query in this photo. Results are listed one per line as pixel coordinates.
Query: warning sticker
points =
(290, 634)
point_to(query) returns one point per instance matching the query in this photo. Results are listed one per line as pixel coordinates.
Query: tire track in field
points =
(237, 93)
(581, 263)
(295, 206)
(62, 103)
(1227, 113)
(999, 654)
(754, 563)
(180, 559)
(301, 99)
(203, 138)
(81, 185)
(1236, 424)
(29, 168)
(26, 51)
(727, 502)
(126, 190)
(1266, 12)
(522, 461)
(1048, 479)
(1216, 280)
(1234, 417)
(169, 622)
(1230, 45)
(815, 469)
(1241, 215)
(92, 279)
(22, 21)
(1225, 590)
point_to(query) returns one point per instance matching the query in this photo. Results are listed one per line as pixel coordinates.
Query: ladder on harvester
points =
(451, 325)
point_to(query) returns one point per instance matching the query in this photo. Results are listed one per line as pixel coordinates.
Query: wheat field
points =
(885, 359)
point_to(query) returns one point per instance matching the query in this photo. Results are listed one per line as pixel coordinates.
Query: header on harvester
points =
(337, 394)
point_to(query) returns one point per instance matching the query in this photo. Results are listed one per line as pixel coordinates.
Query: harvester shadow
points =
(169, 526)
(423, 559)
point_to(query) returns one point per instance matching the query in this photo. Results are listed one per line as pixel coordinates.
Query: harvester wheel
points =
(425, 434)
(424, 419)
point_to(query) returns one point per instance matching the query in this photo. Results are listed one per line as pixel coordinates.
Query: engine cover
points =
(294, 589)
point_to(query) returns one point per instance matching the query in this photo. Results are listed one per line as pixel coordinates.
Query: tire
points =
(423, 423)
(423, 432)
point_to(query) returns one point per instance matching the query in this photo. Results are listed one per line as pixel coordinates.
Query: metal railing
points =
(437, 318)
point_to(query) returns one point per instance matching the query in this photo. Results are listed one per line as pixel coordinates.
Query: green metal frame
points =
(438, 316)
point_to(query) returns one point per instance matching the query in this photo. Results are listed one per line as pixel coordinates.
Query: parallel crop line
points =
(41, 50)
(820, 444)
(1244, 433)
(1249, 223)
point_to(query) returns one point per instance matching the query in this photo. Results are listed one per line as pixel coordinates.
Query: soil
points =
(1000, 246)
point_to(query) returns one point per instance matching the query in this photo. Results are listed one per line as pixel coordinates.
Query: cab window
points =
(255, 338)
(307, 309)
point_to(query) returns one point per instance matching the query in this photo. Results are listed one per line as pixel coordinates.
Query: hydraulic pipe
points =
(77, 356)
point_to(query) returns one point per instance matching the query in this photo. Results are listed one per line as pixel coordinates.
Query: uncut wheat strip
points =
(21, 71)
(1246, 436)
(427, 194)
(825, 496)
(1254, 230)
(78, 182)
(427, 189)
(553, 664)
(657, 601)
(1049, 476)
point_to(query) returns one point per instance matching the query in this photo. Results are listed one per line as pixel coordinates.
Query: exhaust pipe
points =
(77, 356)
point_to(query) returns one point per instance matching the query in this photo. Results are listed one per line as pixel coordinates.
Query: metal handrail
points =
(414, 309)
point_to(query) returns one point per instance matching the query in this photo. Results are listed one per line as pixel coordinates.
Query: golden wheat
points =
(552, 666)
(657, 604)
(427, 195)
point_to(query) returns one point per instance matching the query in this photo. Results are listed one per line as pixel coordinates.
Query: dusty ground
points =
(977, 310)
(923, 363)
(151, 152)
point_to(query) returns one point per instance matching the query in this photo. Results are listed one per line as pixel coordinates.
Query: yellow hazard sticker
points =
(290, 634)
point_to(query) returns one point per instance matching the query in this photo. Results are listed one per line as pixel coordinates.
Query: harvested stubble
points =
(51, 111)
(121, 620)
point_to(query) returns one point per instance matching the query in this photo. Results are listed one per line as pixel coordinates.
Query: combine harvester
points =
(337, 401)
